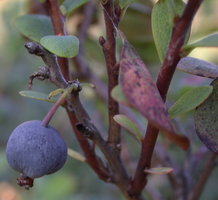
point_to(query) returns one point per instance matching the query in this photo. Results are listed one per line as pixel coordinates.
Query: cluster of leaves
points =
(163, 14)
(39, 29)
(136, 91)
(142, 98)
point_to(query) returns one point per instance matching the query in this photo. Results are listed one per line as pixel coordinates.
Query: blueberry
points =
(35, 150)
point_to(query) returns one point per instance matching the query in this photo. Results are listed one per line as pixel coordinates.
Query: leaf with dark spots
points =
(198, 67)
(142, 94)
(206, 120)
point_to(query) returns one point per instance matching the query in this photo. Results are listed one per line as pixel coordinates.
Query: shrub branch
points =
(206, 172)
(180, 30)
(109, 49)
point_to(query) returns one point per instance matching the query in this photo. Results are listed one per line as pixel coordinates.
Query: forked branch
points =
(180, 30)
(109, 49)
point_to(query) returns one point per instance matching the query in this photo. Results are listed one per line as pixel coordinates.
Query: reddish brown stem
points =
(52, 111)
(58, 26)
(181, 28)
(95, 162)
(89, 152)
(208, 168)
(109, 49)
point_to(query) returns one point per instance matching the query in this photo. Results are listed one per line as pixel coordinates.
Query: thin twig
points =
(57, 78)
(82, 67)
(109, 49)
(87, 128)
(92, 159)
(206, 172)
(82, 122)
(89, 10)
(180, 30)
(50, 60)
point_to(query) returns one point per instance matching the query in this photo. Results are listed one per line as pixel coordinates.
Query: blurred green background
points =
(76, 180)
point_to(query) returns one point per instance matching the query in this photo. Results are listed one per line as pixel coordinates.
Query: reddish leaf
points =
(142, 93)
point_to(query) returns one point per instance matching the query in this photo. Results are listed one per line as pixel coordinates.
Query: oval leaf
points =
(34, 26)
(159, 170)
(190, 100)
(142, 93)
(208, 41)
(76, 155)
(117, 94)
(69, 6)
(129, 125)
(63, 46)
(163, 14)
(90, 85)
(206, 120)
(198, 67)
(36, 95)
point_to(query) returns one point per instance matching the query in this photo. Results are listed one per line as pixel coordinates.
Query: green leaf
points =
(36, 95)
(162, 19)
(63, 46)
(69, 6)
(198, 67)
(207, 41)
(90, 85)
(75, 155)
(159, 170)
(129, 125)
(34, 26)
(117, 94)
(125, 3)
(55, 92)
(206, 120)
(190, 100)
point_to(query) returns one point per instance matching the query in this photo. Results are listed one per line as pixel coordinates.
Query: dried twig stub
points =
(41, 75)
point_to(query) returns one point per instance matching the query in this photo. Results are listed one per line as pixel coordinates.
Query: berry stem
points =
(53, 109)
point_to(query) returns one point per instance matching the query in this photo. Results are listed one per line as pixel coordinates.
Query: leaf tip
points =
(63, 10)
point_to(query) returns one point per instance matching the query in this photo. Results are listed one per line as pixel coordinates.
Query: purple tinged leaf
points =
(198, 67)
(142, 93)
(206, 120)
